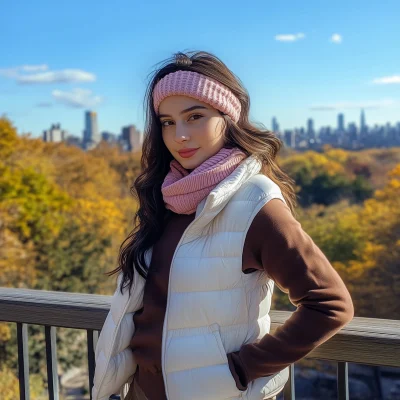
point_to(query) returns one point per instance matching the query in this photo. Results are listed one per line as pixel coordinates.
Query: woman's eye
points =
(191, 118)
(195, 115)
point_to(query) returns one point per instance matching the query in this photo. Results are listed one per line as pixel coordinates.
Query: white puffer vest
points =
(213, 308)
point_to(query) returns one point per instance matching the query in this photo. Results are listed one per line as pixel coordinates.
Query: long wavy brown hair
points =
(150, 219)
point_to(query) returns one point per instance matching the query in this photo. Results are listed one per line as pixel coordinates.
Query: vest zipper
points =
(168, 296)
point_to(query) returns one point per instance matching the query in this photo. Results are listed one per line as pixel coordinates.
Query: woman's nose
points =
(181, 133)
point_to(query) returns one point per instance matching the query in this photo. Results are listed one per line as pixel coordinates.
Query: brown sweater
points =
(277, 244)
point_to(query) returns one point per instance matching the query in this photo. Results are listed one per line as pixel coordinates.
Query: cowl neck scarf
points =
(183, 190)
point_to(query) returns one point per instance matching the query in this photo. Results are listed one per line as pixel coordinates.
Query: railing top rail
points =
(42, 307)
(364, 340)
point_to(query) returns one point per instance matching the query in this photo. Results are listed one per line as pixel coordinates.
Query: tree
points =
(377, 271)
(325, 178)
(363, 244)
(61, 223)
(8, 138)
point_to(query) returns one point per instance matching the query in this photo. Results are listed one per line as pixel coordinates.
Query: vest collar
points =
(217, 199)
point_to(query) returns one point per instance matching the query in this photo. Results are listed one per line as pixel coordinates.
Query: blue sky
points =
(298, 59)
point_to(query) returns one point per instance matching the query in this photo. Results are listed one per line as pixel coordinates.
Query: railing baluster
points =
(92, 337)
(51, 357)
(378, 379)
(23, 361)
(343, 381)
(288, 391)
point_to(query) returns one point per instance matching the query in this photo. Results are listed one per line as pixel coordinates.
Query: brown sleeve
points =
(298, 267)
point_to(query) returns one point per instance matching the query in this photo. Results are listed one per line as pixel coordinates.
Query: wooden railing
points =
(363, 341)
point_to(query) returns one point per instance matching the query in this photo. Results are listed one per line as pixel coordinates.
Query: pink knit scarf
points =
(183, 191)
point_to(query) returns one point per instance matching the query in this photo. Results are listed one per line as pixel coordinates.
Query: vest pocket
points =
(215, 329)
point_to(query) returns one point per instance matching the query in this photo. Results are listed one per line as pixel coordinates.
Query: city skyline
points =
(297, 61)
(352, 136)
(310, 125)
(341, 123)
(130, 138)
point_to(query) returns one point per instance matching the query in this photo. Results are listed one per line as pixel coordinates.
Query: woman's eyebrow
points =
(184, 111)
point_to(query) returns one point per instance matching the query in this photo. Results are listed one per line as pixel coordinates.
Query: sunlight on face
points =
(190, 123)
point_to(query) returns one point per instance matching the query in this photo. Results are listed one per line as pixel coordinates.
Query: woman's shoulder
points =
(258, 188)
(264, 183)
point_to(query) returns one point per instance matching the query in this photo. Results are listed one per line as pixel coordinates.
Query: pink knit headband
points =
(200, 87)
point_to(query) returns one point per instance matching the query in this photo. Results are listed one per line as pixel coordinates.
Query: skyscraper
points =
(340, 122)
(91, 135)
(363, 125)
(132, 138)
(310, 127)
(290, 138)
(275, 125)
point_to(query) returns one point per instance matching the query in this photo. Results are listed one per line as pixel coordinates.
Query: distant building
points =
(363, 125)
(311, 137)
(132, 138)
(54, 134)
(91, 136)
(340, 122)
(352, 135)
(74, 141)
(109, 137)
(275, 125)
(290, 138)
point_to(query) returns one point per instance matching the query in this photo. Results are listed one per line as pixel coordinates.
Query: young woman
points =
(214, 232)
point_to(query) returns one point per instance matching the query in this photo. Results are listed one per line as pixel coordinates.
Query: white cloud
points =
(386, 80)
(9, 72)
(34, 68)
(336, 38)
(290, 37)
(346, 105)
(39, 74)
(13, 72)
(78, 98)
(66, 75)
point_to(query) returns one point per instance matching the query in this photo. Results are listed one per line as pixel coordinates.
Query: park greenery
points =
(65, 212)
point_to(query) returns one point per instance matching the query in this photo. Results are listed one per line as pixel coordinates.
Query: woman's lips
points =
(187, 154)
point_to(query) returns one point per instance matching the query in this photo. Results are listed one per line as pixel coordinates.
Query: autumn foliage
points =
(63, 215)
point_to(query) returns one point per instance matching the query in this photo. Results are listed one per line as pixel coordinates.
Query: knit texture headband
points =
(200, 87)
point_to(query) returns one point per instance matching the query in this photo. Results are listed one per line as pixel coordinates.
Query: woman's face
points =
(190, 123)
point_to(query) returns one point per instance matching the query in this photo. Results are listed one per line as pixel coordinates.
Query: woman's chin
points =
(189, 166)
(190, 163)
